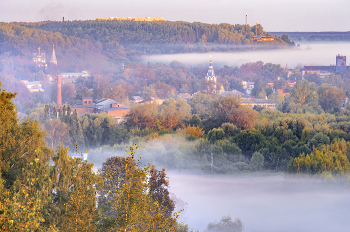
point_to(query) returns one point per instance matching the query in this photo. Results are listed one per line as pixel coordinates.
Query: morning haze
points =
(183, 117)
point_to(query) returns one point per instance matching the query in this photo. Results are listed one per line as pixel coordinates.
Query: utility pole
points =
(212, 162)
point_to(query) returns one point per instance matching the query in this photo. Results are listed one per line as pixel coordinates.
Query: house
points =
(33, 86)
(104, 105)
(137, 99)
(291, 83)
(283, 92)
(248, 86)
(237, 94)
(263, 102)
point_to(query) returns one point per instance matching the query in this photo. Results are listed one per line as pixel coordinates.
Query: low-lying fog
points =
(306, 54)
(271, 203)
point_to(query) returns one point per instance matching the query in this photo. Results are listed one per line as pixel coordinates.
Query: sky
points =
(273, 15)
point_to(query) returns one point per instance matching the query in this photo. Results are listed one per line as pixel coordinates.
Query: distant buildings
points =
(146, 19)
(104, 105)
(39, 59)
(71, 77)
(248, 86)
(141, 100)
(260, 38)
(236, 93)
(33, 86)
(262, 102)
(340, 66)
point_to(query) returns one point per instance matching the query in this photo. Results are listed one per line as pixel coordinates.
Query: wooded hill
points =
(158, 37)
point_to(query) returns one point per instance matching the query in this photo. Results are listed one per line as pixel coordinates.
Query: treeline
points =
(214, 130)
(116, 41)
(126, 32)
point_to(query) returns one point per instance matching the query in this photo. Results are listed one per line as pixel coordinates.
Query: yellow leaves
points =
(330, 158)
(195, 131)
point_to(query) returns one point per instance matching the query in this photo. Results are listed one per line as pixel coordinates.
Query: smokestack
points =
(59, 93)
(63, 19)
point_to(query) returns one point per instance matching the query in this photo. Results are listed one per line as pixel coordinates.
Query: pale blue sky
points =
(273, 15)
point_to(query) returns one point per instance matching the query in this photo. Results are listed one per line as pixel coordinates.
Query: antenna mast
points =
(246, 22)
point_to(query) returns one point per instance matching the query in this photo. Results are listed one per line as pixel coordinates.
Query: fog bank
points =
(269, 203)
(306, 54)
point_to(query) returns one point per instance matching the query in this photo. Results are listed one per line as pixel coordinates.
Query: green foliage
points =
(131, 206)
(226, 224)
(73, 205)
(216, 134)
(257, 161)
(303, 97)
(328, 158)
(330, 97)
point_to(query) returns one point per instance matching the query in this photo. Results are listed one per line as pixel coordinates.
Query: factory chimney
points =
(59, 93)
(63, 19)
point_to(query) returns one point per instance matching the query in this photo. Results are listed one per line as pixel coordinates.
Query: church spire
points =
(53, 56)
(210, 74)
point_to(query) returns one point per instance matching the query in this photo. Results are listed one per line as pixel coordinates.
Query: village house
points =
(104, 105)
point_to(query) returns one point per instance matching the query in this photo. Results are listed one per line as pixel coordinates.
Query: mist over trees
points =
(43, 188)
(46, 189)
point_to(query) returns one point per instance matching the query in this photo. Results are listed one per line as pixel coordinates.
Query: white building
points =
(248, 86)
(33, 86)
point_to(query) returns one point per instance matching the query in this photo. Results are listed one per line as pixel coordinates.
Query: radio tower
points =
(246, 22)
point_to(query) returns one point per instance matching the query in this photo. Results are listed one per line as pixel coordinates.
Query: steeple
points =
(53, 56)
(210, 74)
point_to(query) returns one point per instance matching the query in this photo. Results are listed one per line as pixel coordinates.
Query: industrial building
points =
(340, 66)
(104, 105)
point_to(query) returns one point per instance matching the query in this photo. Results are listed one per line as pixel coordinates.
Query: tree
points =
(257, 161)
(57, 132)
(24, 160)
(330, 97)
(225, 225)
(272, 71)
(207, 87)
(34, 195)
(142, 116)
(303, 95)
(285, 38)
(73, 206)
(215, 134)
(243, 117)
(200, 105)
(159, 185)
(76, 130)
(327, 160)
(131, 204)
(259, 29)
